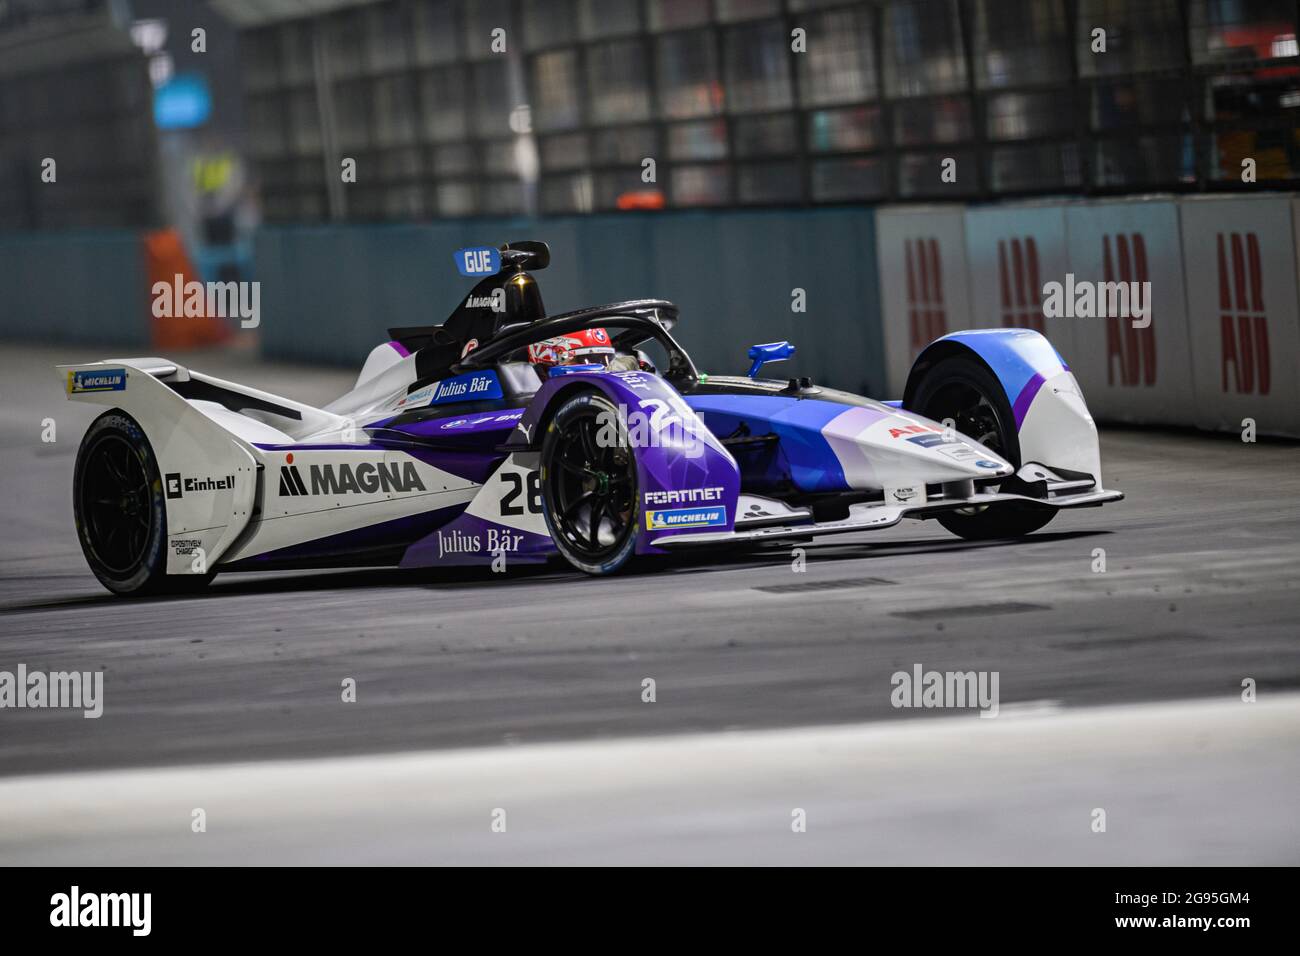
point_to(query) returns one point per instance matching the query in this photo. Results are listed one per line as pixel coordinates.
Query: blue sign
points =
(183, 102)
(470, 387)
(480, 261)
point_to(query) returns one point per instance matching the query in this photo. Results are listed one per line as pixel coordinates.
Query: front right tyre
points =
(589, 484)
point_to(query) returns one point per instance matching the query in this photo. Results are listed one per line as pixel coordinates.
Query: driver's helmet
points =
(588, 347)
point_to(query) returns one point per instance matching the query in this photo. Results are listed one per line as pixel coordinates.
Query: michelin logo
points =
(685, 518)
(96, 380)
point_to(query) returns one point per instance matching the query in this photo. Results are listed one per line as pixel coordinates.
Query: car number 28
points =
(531, 502)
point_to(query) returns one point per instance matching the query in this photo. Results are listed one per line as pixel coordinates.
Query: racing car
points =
(506, 435)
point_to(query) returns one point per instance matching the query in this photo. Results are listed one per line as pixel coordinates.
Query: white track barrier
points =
(1013, 251)
(1127, 373)
(924, 290)
(1241, 263)
(1224, 339)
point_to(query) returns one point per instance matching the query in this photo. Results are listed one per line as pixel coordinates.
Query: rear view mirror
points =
(770, 352)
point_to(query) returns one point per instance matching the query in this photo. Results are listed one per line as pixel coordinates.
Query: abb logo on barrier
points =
(1242, 322)
(1132, 349)
(1022, 303)
(926, 317)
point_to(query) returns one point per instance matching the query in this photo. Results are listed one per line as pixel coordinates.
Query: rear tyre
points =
(962, 389)
(120, 510)
(589, 485)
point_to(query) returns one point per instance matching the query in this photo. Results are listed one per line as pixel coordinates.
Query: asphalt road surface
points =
(1202, 569)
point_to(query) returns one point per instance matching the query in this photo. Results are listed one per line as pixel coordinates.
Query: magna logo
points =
(1130, 348)
(1243, 324)
(496, 301)
(1022, 307)
(926, 317)
(367, 478)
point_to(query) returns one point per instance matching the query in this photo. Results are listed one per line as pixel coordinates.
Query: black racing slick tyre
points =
(120, 510)
(589, 484)
(962, 389)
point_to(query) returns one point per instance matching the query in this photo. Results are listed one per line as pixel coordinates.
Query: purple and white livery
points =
(454, 449)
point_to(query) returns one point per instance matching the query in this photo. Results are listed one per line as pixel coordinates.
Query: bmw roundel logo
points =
(600, 335)
(984, 463)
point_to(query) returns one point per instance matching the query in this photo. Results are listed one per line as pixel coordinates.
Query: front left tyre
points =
(960, 389)
(120, 510)
(589, 484)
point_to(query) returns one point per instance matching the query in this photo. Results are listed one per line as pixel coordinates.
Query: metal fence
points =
(737, 108)
(78, 146)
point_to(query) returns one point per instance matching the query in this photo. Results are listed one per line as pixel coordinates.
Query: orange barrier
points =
(165, 258)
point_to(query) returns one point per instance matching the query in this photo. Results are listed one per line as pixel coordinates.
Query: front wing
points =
(772, 521)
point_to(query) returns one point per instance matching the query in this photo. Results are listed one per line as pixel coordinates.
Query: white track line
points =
(1211, 781)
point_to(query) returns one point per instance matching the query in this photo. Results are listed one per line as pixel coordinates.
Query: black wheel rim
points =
(593, 489)
(116, 504)
(972, 414)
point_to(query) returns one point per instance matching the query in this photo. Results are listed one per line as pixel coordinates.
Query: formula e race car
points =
(507, 435)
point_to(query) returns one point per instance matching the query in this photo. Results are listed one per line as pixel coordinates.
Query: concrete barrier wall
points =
(328, 293)
(74, 288)
(1223, 344)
